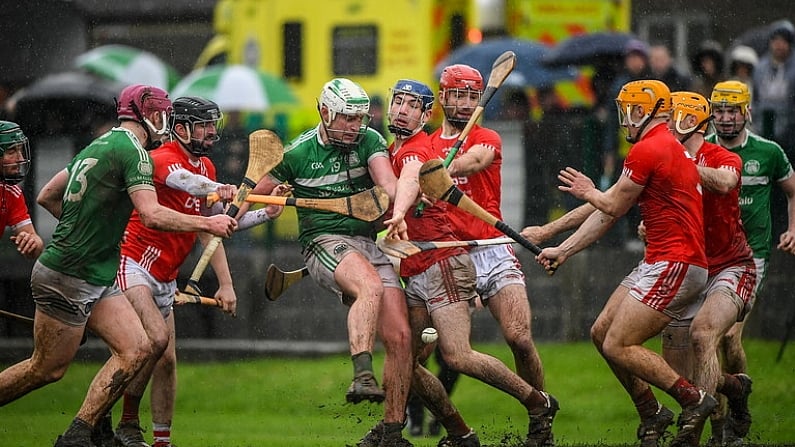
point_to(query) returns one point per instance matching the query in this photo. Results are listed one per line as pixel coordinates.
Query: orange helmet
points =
(690, 103)
(653, 95)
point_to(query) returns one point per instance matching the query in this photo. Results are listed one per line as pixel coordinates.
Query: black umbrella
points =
(588, 49)
(70, 102)
(528, 72)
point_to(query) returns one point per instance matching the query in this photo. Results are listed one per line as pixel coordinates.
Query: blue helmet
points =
(415, 88)
(418, 90)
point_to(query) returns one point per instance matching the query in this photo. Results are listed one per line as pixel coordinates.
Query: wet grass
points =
(289, 402)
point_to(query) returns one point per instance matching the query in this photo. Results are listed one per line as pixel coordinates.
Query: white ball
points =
(429, 335)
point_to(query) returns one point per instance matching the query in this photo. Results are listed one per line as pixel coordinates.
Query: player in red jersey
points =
(664, 182)
(150, 259)
(476, 170)
(14, 214)
(690, 344)
(440, 285)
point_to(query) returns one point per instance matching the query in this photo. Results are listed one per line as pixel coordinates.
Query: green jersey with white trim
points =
(97, 206)
(764, 164)
(318, 171)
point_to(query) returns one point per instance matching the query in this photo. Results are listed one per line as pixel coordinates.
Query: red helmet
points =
(137, 101)
(461, 76)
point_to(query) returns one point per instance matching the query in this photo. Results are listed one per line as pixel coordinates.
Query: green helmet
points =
(13, 139)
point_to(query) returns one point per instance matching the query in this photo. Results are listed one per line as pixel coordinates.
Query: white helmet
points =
(346, 97)
(744, 54)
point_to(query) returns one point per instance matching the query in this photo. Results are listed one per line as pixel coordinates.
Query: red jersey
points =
(484, 187)
(434, 224)
(726, 245)
(13, 209)
(161, 253)
(670, 204)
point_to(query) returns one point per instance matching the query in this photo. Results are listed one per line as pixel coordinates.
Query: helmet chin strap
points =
(687, 133)
(644, 122)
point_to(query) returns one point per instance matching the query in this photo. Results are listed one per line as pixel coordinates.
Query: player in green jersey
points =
(73, 281)
(764, 165)
(341, 157)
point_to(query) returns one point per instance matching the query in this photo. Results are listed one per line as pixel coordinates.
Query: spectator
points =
(707, 66)
(615, 149)
(774, 86)
(662, 68)
(742, 61)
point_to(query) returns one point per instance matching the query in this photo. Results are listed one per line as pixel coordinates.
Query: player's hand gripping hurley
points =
(502, 67)
(368, 205)
(265, 151)
(435, 182)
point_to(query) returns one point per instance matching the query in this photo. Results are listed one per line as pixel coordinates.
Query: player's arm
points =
(28, 242)
(198, 185)
(51, 195)
(253, 218)
(787, 239)
(264, 186)
(474, 160)
(226, 291)
(719, 180)
(616, 201)
(569, 221)
(155, 216)
(406, 195)
(382, 174)
(593, 228)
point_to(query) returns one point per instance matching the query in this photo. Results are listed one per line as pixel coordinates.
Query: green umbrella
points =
(237, 88)
(128, 65)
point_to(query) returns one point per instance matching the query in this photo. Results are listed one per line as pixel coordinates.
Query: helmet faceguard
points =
(347, 108)
(137, 102)
(685, 104)
(15, 151)
(652, 95)
(728, 100)
(200, 117)
(460, 83)
(408, 106)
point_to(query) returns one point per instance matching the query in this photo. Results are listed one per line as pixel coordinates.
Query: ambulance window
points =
(293, 50)
(355, 50)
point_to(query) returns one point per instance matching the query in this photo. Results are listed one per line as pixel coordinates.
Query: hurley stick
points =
(278, 280)
(402, 249)
(367, 205)
(189, 298)
(435, 182)
(265, 151)
(502, 67)
(29, 320)
(18, 317)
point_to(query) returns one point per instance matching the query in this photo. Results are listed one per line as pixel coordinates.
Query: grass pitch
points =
(289, 402)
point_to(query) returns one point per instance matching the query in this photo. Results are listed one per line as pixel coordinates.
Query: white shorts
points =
(668, 287)
(448, 281)
(325, 253)
(496, 266)
(737, 283)
(131, 274)
(66, 298)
